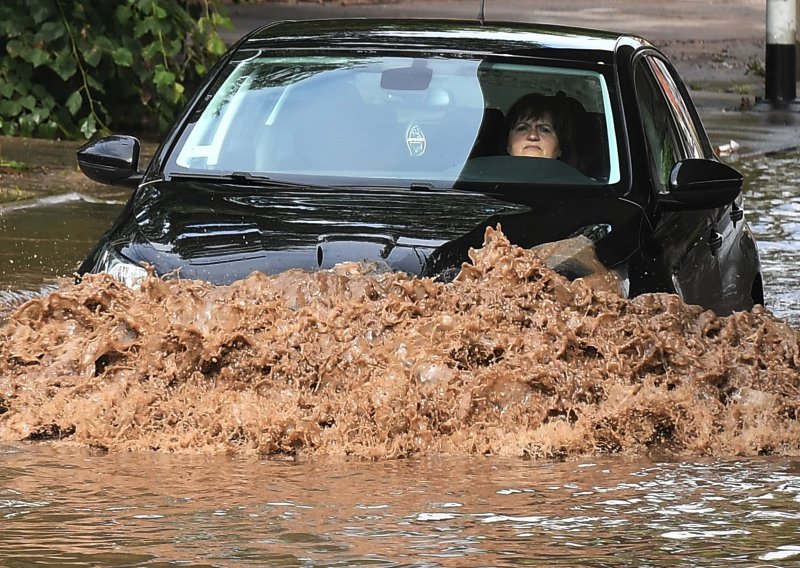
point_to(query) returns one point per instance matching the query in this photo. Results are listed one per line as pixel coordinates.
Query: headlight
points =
(120, 268)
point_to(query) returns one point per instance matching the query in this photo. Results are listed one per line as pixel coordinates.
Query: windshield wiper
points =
(247, 178)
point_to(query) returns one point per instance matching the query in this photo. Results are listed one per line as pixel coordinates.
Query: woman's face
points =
(534, 137)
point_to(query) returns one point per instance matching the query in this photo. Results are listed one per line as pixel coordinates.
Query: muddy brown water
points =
(675, 433)
(69, 507)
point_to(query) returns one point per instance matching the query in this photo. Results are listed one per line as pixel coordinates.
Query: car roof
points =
(440, 35)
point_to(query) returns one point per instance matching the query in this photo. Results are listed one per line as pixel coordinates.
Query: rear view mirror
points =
(113, 160)
(414, 78)
(696, 184)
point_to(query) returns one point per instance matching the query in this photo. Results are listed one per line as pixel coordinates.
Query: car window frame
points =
(670, 91)
(676, 101)
(659, 131)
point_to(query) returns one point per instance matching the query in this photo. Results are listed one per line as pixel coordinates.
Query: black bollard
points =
(780, 87)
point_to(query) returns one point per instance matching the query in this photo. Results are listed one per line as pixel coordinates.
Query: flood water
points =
(43, 242)
(773, 210)
(65, 505)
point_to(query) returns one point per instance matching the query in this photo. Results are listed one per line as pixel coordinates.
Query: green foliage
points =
(13, 165)
(756, 67)
(73, 68)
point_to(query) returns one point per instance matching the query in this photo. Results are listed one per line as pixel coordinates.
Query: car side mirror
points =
(696, 184)
(113, 160)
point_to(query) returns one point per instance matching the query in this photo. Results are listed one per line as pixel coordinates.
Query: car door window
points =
(669, 130)
(685, 126)
(658, 130)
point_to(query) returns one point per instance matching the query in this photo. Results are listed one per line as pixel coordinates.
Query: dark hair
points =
(536, 105)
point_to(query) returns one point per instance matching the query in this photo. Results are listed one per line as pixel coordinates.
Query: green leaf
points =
(163, 78)
(40, 92)
(6, 89)
(221, 21)
(39, 57)
(16, 48)
(177, 93)
(62, 116)
(10, 107)
(88, 127)
(28, 102)
(215, 45)
(18, 69)
(64, 65)
(122, 57)
(95, 84)
(36, 116)
(47, 130)
(7, 29)
(175, 47)
(27, 125)
(40, 10)
(143, 6)
(123, 14)
(10, 128)
(74, 103)
(143, 27)
(92, 56)
(150, 51)
(50, 31)
(105, 43)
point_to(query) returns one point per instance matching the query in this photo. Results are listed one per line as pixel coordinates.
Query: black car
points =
(313, 143)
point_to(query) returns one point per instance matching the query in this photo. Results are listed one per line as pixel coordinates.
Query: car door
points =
(687, 243)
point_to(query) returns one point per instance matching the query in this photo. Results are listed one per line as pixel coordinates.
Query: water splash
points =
(509, 359)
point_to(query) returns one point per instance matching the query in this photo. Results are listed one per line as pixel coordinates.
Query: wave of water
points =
(509, 359)
(12, 299)
(59, 199)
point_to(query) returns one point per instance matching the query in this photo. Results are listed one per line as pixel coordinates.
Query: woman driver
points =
(540, 127)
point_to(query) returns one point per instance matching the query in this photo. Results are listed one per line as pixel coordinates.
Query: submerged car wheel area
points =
(399, 142)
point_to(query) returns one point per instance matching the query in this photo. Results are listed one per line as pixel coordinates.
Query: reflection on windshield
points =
(391, 121)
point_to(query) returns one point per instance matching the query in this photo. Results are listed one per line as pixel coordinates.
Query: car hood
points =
(221, 233)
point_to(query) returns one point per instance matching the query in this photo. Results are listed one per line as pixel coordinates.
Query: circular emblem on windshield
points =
(415, 140)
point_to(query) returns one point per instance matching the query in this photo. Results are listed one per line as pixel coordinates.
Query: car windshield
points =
(399, 121)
